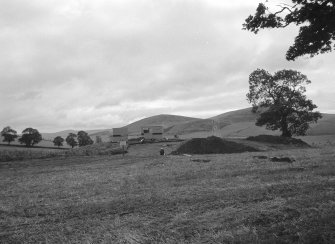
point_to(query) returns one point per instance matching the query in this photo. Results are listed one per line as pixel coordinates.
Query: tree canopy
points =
(58, 141)
(30, 137)
(71, 140)
(8, 134)
(315, 18)
(84, 139)
(281, 101)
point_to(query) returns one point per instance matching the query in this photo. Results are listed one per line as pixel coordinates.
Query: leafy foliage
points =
(84, 139)
(71, 140)
(315, 18)
(8, 134)
(30, 137)
(282, 102)
(58, 141)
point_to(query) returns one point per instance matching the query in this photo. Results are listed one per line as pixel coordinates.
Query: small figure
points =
(161, 152)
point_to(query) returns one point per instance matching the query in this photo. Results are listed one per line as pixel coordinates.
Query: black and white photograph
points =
(167, 121)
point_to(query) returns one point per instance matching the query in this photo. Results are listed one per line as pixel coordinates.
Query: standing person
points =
(161, 152)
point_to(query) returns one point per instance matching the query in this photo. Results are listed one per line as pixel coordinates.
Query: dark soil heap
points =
(211, 145)
(278, 140)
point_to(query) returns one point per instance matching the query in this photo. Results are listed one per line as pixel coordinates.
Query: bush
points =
(95, 149)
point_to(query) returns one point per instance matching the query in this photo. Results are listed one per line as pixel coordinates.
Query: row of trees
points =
(79, 139)
(31, 136)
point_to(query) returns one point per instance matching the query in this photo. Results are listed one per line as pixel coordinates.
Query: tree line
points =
(31, 136)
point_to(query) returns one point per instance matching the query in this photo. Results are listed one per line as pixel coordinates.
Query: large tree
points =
(30, 137)
(71, 140)
(58, 141)
(84, 139)
(8, 134)
(281, 101)
(315, 18)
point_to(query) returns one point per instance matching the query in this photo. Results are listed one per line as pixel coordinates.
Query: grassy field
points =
(144, 198)
(15, 153)
(10, 153)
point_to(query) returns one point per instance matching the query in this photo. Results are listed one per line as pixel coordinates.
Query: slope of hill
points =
(325, 126)
(236, 116)
(165, 120)
(65, 133)
(191, 127)
(238, 123)
(103, 134)
(242, 123)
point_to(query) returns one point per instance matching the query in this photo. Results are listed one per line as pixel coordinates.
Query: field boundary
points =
(22, 146)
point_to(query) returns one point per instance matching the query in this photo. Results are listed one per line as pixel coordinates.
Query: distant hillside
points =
(134, 129)
(325, 126)
(233, 123)
(103, 134)
(191, 127)
(65, 133)
(238, 123)
(165, 120)
(236, 116)
(242, 123)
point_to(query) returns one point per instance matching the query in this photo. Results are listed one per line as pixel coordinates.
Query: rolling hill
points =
(166, 120)
(325, 126)
(241, 123)
(238, 123)
(134, 129)
(64, 133)
(236, 116)
(190, 127)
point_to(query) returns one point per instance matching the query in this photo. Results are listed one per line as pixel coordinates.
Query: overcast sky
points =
(83, 64)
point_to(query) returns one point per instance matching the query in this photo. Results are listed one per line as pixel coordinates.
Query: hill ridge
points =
(235, 123)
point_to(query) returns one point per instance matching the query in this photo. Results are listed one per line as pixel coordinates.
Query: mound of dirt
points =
(278, 140)
(211, 145)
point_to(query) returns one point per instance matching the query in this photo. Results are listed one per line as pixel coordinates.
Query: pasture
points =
(146, 198)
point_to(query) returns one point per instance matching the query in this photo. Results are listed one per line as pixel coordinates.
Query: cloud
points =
(95, 64)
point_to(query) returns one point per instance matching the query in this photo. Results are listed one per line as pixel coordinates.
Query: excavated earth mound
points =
(278, 140)
(211, 145)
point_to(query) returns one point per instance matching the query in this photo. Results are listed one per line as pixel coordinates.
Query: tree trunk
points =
(286, 134)
(284, 128)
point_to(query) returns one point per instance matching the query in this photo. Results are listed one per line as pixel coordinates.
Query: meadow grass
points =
(231, 198)
(8, 153)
